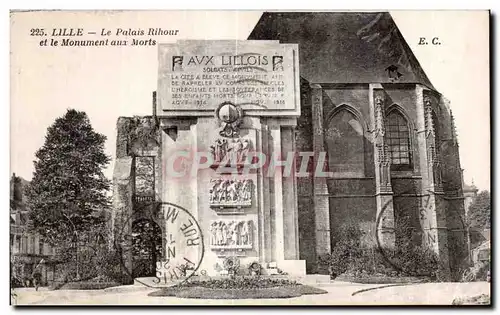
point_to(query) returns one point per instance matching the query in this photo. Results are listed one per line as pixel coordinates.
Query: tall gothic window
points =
(345, 144)
(398, 139)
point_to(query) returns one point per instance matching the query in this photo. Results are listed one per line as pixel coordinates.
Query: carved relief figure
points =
(245, 147)
(224, 191)
(224, 233)
(245, 233)
(235, 151)
(215, 191)
(213, 233)
(232, 234)
(218, 230)
(246, 190)
(231, 192)
(230, 150)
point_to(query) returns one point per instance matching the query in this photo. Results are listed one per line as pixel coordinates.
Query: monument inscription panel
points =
(260, 76)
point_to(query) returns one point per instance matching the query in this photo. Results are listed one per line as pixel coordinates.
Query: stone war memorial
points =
(266, 147)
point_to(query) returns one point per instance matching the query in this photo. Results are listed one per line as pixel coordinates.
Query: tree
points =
(479, 215)
(68, 190)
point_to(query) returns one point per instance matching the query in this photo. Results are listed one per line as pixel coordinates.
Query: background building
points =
(28, 252)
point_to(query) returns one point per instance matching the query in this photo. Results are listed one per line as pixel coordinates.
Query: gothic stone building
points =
(363, 98)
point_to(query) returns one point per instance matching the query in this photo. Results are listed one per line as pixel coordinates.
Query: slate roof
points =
(344, 47)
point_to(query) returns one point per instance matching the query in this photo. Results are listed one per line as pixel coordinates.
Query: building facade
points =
(362, 98)
(28, 252)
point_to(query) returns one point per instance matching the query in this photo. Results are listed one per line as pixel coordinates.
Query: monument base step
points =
(305, 279)
(271, 271)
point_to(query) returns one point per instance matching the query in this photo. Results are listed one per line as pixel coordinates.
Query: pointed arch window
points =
(398, 139)
(345, 144)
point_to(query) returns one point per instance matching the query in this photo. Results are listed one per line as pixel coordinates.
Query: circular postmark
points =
(166, 250)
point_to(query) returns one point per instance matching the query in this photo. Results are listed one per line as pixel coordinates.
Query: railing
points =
(143, 199)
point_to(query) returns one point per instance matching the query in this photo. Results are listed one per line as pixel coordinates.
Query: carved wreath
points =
(230, 129)
(255, 269)
(231, 264)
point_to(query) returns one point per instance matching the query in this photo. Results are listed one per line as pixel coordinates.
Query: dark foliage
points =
(146, 247)
(68, 190)
(350, 258)
(344, 252)
(94, 262)
(479, 216)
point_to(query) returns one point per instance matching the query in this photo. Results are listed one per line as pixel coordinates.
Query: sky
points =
(108, 82)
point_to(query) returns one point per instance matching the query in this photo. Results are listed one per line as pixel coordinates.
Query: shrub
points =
(105, 264)
(16, 283)
(349, 257)
(414, 261)
(344, 251)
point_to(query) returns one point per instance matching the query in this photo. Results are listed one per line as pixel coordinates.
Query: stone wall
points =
(136, 136)
(352, 198)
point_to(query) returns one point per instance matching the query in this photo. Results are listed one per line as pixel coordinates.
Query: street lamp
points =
(75, 242)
